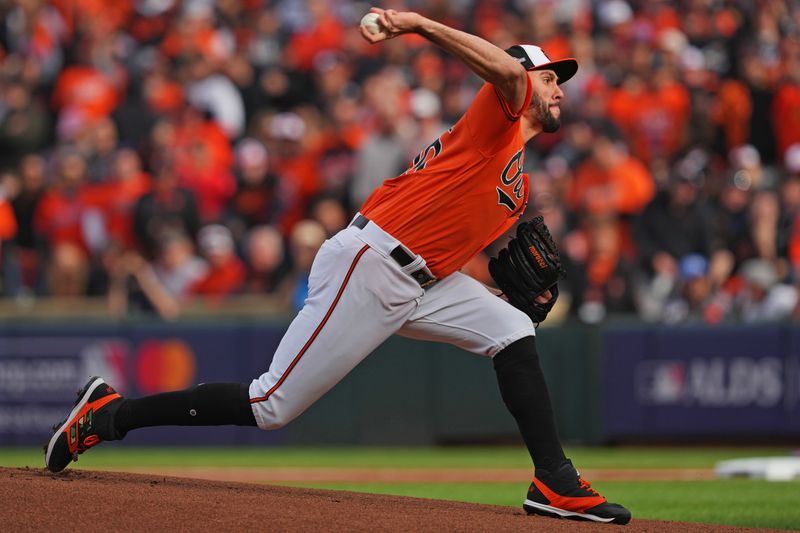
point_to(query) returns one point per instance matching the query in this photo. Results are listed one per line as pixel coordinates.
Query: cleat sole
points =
(532, 507)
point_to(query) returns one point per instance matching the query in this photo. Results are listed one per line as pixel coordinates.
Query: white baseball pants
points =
(359, 296)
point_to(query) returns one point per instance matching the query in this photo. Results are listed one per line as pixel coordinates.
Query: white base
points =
(768, 468)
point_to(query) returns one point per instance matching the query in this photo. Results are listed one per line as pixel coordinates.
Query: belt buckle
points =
(423, 277)
(428, 283)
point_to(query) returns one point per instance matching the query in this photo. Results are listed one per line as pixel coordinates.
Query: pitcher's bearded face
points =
(545, 105)
(548, 115)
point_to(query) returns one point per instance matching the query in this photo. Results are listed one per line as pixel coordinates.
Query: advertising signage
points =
(701, 382)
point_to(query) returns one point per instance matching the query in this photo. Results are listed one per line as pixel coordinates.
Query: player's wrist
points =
(426, 27)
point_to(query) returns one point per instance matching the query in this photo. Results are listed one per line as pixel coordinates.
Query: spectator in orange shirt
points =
(82, 94)
(674, 108)
(652, 114)
(295, 165)
(786, 107)
(193, 32)
(161, 92)
(195, 128)
(58, 216)
(731, 112)
(743, 110)
(322, 32)
(117, 197)
(60, 220)
(203, 161)
(226, 273)
(212, 185)
(623, 102)
(94, 15)
(610, 181)
(601, 277)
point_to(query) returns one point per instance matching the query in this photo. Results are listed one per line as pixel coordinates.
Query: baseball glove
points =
(527, 267)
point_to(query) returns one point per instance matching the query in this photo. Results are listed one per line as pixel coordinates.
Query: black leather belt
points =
(402, 257)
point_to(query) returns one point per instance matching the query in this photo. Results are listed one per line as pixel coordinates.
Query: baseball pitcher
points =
(395, 269)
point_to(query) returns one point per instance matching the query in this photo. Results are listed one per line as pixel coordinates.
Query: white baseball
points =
(371, 24)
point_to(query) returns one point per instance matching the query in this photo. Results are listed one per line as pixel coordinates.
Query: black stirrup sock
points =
(524, 392)
(207, 404)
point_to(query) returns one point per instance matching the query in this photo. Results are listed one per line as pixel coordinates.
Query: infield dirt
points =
(36, 500)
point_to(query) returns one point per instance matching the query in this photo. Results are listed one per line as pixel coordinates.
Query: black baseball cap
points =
(533, 58)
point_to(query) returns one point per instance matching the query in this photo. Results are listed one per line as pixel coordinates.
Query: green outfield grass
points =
(735, 502)
(738, 502)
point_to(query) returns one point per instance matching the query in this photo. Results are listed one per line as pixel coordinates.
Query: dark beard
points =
(550, 124)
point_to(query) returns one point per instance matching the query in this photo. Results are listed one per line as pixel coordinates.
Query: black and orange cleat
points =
(563, 493)
(89, 423)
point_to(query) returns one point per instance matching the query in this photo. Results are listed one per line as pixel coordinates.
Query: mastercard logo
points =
(164, 365)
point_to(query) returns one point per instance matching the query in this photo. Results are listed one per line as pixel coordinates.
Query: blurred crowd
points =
(157, 152)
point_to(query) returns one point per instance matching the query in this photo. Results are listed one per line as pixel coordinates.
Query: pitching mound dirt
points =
(35, 500)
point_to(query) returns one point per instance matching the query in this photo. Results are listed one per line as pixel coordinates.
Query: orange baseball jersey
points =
(463, 191)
